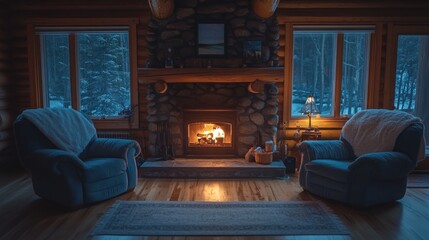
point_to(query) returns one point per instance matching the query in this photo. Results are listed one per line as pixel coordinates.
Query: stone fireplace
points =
(175, 37)
(200, 97)
(189, 114)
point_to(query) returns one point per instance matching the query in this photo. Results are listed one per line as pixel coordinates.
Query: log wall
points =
(383, 12)
(7, 114)
(24, 11)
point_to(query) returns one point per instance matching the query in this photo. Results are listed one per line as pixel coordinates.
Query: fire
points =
(218, 133)
(211, 134)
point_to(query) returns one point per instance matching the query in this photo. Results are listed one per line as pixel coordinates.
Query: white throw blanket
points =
(68, 129)
(376, 130)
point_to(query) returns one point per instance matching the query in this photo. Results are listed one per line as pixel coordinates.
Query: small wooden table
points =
(310, 135)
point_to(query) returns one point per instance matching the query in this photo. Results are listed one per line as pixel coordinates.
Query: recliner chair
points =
(104, 169)
(331, 169)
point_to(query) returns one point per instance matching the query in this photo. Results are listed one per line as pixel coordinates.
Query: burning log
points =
(214, 137)
(205, 138)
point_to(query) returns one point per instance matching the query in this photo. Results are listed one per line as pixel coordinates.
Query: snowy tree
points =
(104, 73)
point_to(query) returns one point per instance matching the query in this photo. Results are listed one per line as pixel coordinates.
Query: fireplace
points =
(209, 133)
(217, 86)
(183, 119)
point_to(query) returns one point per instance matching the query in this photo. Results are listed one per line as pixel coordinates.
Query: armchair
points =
(335, 170)
(101, 169)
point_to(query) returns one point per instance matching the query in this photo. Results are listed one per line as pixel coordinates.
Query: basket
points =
(263, 157)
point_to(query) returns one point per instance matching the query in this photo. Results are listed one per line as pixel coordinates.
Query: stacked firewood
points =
(207, 138)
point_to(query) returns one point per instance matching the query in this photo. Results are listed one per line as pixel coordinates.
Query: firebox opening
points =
(206, 134)
(209, 133)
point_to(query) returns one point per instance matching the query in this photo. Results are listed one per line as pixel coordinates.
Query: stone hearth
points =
(211, 168)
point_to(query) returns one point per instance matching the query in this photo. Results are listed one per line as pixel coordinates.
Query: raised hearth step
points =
(211, 168)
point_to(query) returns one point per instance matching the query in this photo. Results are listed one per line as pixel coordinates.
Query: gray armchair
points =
(104, 169)
(331, 169)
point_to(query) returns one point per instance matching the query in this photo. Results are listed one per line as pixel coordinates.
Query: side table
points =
(310, 135)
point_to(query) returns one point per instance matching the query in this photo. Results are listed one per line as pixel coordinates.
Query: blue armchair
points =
(331, 169)
(104, 169)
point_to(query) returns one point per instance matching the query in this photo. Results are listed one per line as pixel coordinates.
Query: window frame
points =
(394, 30)
(336, 121)
(82, 24)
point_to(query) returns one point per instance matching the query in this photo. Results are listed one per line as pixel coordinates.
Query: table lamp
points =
(309, 108)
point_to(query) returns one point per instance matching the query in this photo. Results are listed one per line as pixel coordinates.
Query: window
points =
(56, 70)
(412, 74)
(332, 66)
(91, 69)
(103, 71)
(313, 70)
(354, 80)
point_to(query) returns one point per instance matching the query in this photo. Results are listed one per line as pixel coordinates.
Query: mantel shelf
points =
(216, 75)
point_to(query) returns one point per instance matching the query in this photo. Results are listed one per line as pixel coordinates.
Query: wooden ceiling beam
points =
(315, 4)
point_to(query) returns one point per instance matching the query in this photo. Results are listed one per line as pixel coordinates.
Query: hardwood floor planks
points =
(24, 216)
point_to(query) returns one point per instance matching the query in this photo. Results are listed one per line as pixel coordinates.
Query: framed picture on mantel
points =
(252, 52)
(211, 39)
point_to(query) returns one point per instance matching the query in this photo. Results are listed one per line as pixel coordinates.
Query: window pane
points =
(104, 73)
(313, 71)
(355, 72)
(412, 74)
(56, 69)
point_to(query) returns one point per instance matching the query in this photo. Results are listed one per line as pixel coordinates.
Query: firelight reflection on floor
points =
(214, 192)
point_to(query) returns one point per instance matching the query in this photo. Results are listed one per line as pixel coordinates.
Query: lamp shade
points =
(309, 106)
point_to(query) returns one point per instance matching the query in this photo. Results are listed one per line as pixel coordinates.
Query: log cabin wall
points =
(383, 15)
(382, 12)
(7, 114)
(24, 11)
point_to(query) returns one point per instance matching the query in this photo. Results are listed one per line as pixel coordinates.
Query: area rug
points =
(149, 218)
(418, 180)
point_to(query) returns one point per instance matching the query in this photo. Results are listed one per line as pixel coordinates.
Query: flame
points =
(212, 131)
(218, 133)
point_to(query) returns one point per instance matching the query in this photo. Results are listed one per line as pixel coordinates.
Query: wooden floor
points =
(24, 216)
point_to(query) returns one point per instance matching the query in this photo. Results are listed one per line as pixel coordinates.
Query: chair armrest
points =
(322, 149)
(112, 147)
(383, 165)
(54, 161)
(325, 149)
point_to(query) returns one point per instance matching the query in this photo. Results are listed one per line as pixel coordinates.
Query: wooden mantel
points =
(192, 75)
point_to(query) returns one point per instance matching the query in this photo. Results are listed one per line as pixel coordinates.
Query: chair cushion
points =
(102, 168)
(332, 169)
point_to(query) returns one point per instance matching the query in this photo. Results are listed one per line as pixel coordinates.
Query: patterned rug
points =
(148, 218)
